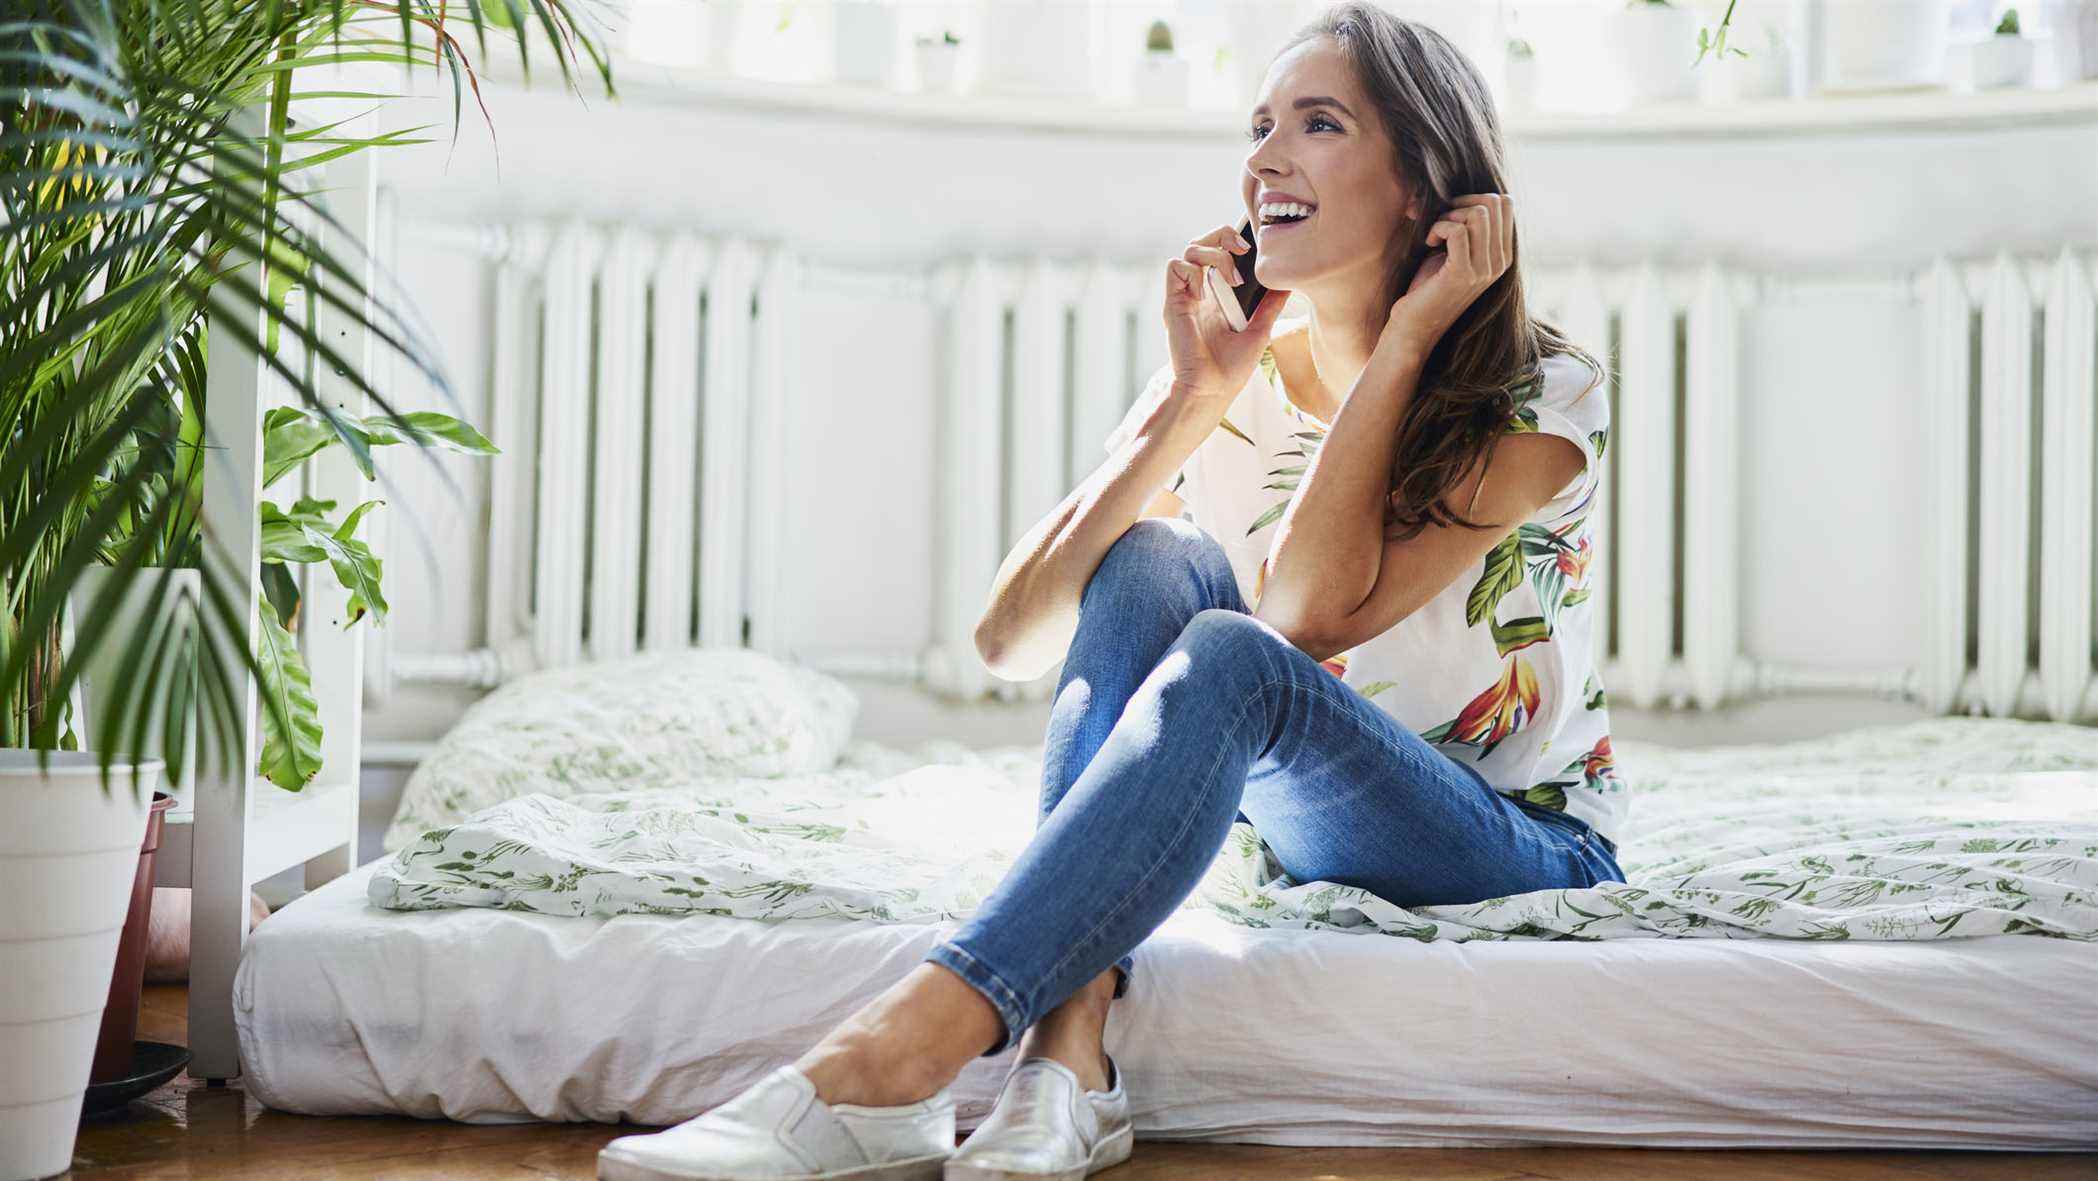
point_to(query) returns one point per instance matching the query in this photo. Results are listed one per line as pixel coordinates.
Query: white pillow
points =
(641, 723)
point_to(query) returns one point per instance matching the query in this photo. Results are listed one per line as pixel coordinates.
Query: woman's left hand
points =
(1477, 236)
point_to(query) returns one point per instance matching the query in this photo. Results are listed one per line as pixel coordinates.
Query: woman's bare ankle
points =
(1087, 1061)
(905, 1044)
(855, 1072)
(1073, 1033)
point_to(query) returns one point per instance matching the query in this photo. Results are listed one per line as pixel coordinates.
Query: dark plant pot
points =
(115, 1045)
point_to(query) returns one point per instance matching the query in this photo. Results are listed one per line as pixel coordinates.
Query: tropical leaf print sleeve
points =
(1155, 389)
(1570, 401)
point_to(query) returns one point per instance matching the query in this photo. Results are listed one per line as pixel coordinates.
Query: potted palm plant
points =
(150, 169)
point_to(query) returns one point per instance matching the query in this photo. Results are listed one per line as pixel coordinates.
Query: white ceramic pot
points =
(1764, 73)
(1519, 84)
(1654, 46)
(1993, 62)
(936, 66)
(724, 29)
(1035, 48)
(68, 856)
(2085, 30)
(1876, 44)
(2066, 49)
(865, 39)
(1160, 80)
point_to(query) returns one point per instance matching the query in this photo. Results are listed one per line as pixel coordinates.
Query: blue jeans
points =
(1178, 713)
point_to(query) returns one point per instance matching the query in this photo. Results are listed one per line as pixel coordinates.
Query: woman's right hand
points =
(1208, 357)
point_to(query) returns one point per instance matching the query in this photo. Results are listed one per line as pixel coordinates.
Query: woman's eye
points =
(1315, 120)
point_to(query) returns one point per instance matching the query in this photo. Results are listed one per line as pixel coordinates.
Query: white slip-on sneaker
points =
(1047, 1127)
(778, 1130)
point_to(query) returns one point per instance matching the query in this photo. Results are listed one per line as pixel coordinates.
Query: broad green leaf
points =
(348, 528)
(428, 427)
(309, 510)
(281, 588)
(292, 433)
(358, 569)
(284, 538)
(288, 760)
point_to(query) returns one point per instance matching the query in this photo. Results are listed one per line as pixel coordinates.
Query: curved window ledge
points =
(642, 83)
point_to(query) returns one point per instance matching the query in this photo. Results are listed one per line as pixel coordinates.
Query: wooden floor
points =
(189, 1129)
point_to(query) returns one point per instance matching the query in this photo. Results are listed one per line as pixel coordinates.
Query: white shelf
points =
(645, 83)
(291, 828)
(285, 828)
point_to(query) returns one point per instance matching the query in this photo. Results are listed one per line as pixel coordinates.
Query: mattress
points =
(1228, 1033)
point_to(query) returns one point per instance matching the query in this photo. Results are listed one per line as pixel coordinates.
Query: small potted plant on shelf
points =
(1520, 75)
(2000, 59)
(1162, 76)
(937, 59)
(1727, 73)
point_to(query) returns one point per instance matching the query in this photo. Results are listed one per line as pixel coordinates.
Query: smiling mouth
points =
(1266, 227)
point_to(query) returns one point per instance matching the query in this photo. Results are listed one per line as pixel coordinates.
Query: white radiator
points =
(618, 519)
(635, 528)
(2006, 650)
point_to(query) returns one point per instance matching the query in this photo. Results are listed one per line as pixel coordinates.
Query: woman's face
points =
(1334, 155)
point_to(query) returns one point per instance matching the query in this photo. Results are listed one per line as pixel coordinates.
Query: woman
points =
(1386, 665)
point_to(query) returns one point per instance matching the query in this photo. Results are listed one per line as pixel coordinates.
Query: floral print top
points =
(1498, 670)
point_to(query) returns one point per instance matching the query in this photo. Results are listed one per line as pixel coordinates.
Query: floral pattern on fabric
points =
(1937, 829)
(1509, 647)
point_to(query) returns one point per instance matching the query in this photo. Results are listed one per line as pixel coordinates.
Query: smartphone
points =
(1238, 303)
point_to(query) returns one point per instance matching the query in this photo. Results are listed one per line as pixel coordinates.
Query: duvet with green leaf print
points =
(1939, 829)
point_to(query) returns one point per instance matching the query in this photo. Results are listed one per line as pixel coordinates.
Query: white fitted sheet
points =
(1228, 1033)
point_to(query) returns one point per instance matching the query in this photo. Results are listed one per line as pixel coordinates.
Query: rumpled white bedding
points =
(1944, 828)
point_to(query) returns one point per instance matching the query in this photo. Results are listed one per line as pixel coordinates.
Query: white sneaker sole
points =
(1112, 1150)
(917, 1168)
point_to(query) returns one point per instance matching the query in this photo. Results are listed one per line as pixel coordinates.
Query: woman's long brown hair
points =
(1446, 137)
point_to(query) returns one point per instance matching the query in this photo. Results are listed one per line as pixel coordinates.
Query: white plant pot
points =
(937, 64)
(865, 38)
(724, 29)
(2085, 31)
(1654, 47)
(68, 857)
(1035, 48)
(1161, 80)
(2066, 48)
(1991, 63)
(1876, 44)
(1764, 73)
(1519, 84)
